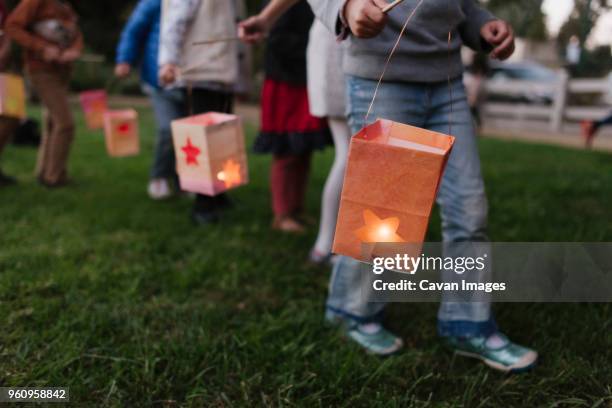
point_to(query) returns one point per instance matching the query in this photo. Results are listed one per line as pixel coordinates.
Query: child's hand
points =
(500, 35)
(69, 56)
(51, 54)
(122, 70)
(365, 17)
(253, 29)
(168, 74)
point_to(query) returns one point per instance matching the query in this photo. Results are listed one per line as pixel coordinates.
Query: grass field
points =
(125, 302)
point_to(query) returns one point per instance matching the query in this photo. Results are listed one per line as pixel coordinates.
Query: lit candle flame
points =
(230, 174)
(378, 230)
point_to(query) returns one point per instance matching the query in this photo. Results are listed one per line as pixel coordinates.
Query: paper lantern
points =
(390, 186)
(94, 104)
(12, 96)
(210, 153)
(121, 133)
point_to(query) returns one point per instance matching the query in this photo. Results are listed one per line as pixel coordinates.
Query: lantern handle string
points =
(390, 56)
(450, 85)
(189, 99)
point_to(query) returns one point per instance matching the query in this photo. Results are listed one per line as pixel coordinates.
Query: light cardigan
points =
(187, 21)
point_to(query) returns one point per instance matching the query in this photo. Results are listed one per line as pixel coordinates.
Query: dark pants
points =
(7, 128)
(202, 101)
(602, 122)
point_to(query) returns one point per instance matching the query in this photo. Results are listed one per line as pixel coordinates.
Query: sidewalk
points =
(498, 129)
(570, 136)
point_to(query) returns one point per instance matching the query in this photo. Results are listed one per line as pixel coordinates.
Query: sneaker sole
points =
(515, 368)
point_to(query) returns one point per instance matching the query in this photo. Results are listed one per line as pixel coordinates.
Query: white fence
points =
(559, 111)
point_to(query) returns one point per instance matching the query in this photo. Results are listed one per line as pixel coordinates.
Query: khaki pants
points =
(58, 127)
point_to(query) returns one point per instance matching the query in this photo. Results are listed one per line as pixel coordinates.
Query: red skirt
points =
(287, 127)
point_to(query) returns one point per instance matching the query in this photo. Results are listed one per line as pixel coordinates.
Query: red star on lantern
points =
(124, 128)
(191, 153)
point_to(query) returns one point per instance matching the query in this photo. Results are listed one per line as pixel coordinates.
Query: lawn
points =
(127, 303)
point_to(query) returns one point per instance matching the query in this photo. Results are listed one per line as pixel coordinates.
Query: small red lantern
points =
(94, 104)
(121, 133)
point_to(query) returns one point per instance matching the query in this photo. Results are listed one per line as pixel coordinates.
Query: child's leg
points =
(52, 88)
(300, 182)
(463, 205)
(333, 186)
(168, 105)
(285, 177)
(7, 128)
(602, 122)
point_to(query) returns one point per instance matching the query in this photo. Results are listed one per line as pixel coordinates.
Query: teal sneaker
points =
(372, 337)
(375, 339)
(496, 351)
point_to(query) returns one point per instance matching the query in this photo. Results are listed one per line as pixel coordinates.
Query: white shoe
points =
(159, 189)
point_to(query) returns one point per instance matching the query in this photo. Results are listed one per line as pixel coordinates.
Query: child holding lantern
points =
(423, 88)
(140, 40)
(52, 41)
(206, 75)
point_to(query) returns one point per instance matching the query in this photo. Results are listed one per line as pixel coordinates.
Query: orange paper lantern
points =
(390, 185)
(121, 133)
(210, 153)
(94, 104)
(12, 96)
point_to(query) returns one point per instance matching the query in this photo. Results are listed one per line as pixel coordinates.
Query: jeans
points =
(168, 105)
(461, 197)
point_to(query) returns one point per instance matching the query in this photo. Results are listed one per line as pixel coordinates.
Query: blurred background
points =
(559, 75)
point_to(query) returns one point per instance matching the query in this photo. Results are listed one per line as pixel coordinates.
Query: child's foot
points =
(287, 224)
(496, 351)
(318, 258)
(159, 189)
(588, 132)
(203, 218)
(372, 337)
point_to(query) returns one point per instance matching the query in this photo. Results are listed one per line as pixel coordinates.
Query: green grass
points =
(125, 302)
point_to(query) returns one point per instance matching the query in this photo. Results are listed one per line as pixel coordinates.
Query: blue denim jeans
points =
(462, 199)
(168, 105)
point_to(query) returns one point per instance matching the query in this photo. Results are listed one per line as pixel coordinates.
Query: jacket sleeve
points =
(475, 18)
(140, 23)
(329, 12)
(178, 16)
(17, 26)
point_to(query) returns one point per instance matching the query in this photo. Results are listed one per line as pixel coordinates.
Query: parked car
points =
(524, 71)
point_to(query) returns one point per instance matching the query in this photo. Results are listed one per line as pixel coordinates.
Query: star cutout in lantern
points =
(378, 230)
(191, 153)
(230, 174)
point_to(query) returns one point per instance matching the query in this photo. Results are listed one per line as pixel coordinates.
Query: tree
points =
(580, 24)
(582, 20)
(526, 17)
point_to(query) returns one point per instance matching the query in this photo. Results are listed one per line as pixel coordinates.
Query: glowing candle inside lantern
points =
(378, 230)
(230, 174)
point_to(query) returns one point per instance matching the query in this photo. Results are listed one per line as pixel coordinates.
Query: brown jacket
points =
(29, 12)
